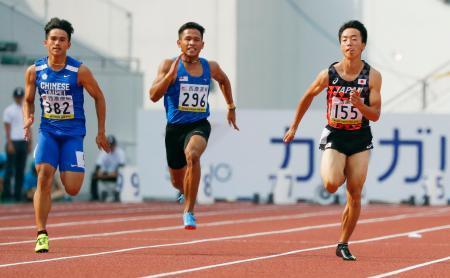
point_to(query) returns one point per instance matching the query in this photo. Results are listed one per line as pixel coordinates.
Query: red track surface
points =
(232, 240)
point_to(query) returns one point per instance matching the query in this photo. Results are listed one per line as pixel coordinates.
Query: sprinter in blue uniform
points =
(184, 83)
(59, 80)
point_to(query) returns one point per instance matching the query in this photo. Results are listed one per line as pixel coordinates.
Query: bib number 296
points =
(193, 97)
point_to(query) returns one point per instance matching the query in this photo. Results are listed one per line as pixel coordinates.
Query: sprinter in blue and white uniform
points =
(59, 80)
(184, 82)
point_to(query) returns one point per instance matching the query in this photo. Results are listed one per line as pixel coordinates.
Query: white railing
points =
(430, 94)
(102, 25)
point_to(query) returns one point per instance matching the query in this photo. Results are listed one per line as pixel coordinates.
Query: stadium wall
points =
(410, 151)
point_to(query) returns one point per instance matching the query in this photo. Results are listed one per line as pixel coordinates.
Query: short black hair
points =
(191, 25)
(18, 92)
(56, 23)
(358, 26)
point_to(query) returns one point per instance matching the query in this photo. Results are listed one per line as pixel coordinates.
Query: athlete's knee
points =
(73, 191)
(331, 188)
(354, 197)
(177, 182)
(45, 178)
(72, 187)
(331, 185)
(192, 157)
(354, 202)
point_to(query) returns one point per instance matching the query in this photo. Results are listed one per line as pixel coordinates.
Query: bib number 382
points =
(193, 97)
(58, 107)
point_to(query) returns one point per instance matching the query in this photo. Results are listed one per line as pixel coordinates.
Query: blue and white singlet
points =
(61, 98)
(186, 100)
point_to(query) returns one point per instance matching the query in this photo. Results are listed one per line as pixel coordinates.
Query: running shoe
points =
(41, 244)
(189, 221)
(343, 252)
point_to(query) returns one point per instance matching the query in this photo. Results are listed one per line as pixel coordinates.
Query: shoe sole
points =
(42, 251)
(190, 227)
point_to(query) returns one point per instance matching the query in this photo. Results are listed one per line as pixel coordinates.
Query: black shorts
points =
(347, 142)
(177, 138)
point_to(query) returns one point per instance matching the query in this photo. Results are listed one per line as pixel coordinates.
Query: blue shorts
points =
(63, 151)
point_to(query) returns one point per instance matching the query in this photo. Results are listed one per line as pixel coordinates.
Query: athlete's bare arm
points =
(314, 89)
(372, 112)
(28, 102)
(167, 73)
(87, 80)
(225, 86)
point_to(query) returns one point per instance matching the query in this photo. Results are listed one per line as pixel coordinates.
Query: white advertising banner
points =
(409, 158)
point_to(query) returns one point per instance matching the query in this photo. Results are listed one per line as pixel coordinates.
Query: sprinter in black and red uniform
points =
(353, 99)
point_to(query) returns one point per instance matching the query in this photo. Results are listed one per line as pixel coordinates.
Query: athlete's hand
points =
(289, 135)
(173, 71)
(355, 99)
(231, 117)
(27, 127)
(102, 142)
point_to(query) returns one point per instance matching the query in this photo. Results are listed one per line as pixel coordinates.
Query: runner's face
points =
(57, 42)
(191, 42)
(351, 43)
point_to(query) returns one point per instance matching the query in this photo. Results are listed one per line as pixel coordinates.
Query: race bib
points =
(58, 107)
(193, 97)
(343, 112)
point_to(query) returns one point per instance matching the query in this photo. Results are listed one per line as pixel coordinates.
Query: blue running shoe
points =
(189, 221)
(180, 198)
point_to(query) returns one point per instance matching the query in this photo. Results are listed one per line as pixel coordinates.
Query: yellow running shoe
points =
(41, 244)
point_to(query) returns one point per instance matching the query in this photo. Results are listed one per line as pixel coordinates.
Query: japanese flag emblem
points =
(362, 81)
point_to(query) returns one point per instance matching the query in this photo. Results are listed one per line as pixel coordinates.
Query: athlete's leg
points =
(176, 159)
(194, 149)
(332, 169)
(42, 197)
(356, 172)
(72, 181)
(177, 178)
(46, 160)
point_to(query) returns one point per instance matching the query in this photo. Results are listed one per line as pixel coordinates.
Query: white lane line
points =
(132, 210)
(273, 232)
(74, 206)
(164, 274)
(99, 209)
(140, 218)
(169, 228)
(152, 217)
(231, 222)
(387, 274)
(89, 212)
(6, 210)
